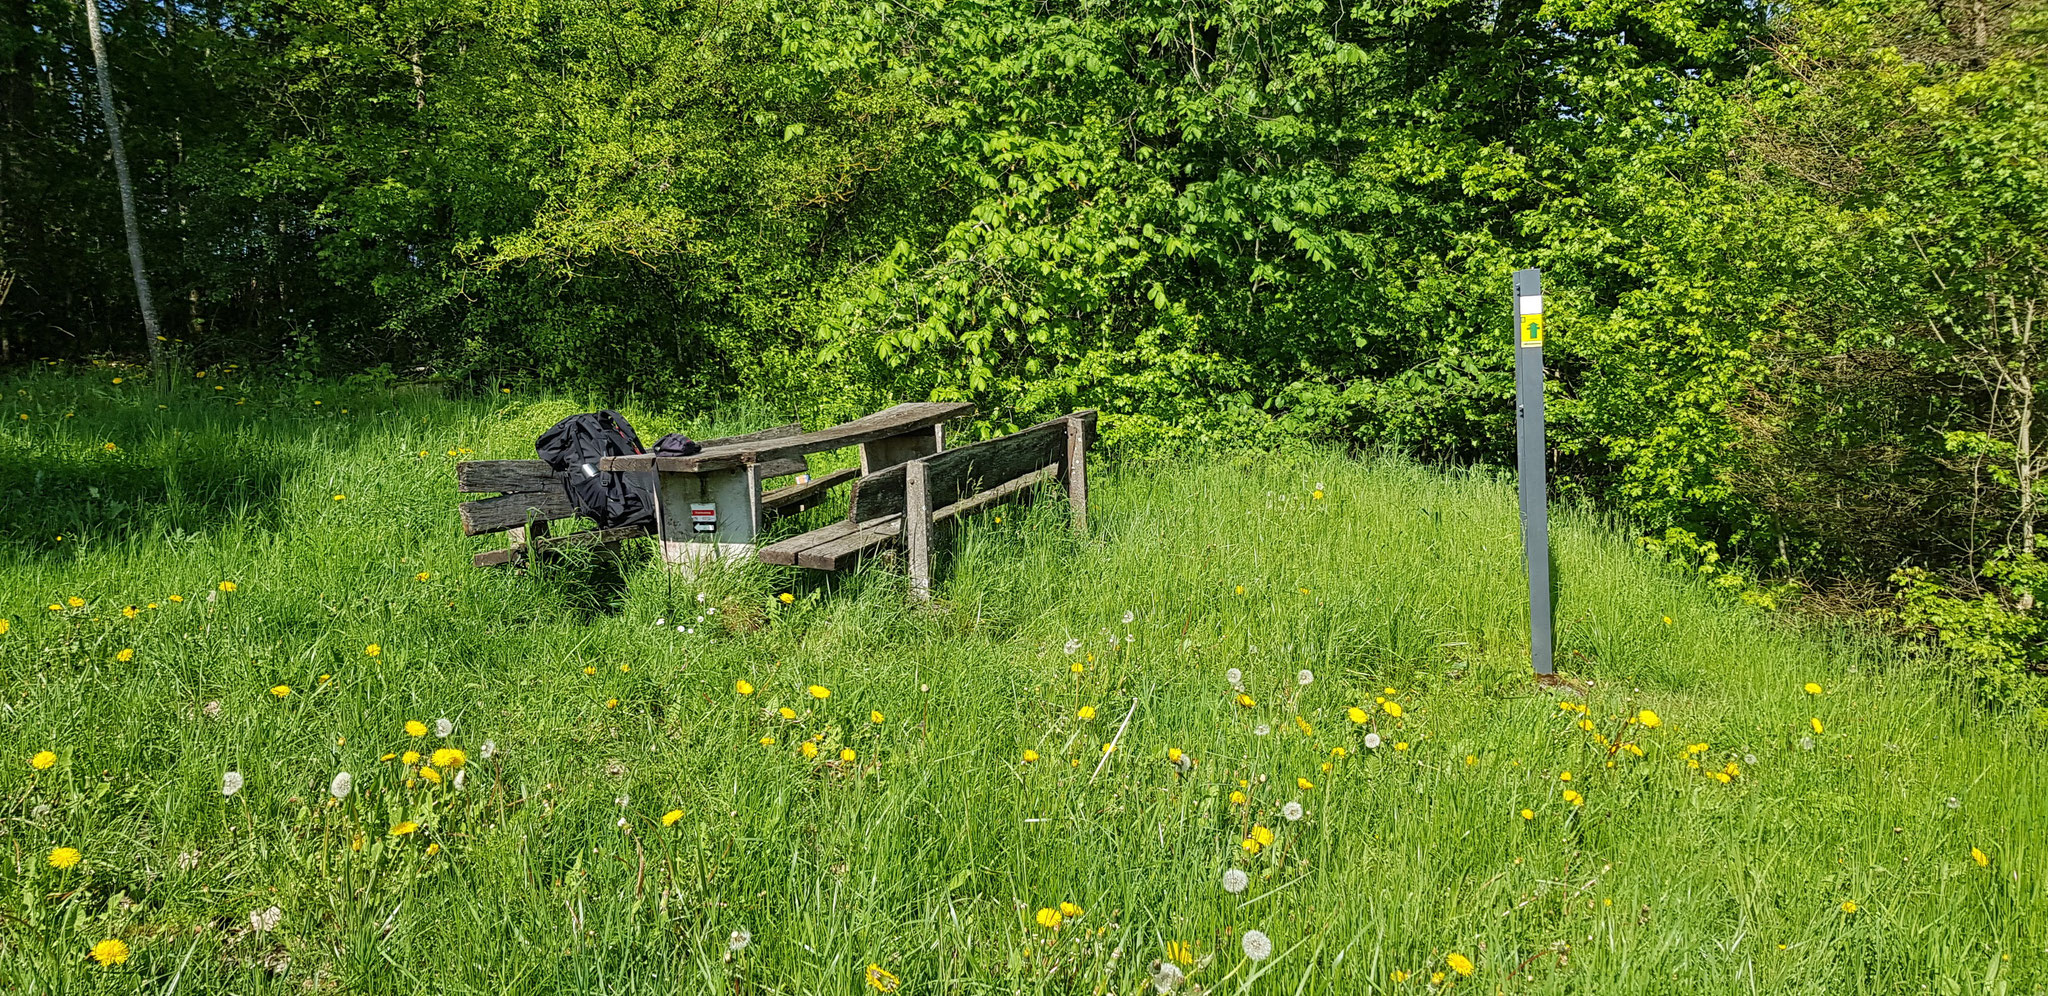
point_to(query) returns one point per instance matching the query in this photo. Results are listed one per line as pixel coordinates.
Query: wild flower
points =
(738, 941)
(1087, 712)
(43, 760)
(1372, 741)
(1246, 701)
(415, 728)
(1129, 617)
(1292, 811)
(373, 650)
(428, 772)
(110, 952)
(443, 728)
(231, 783)
(1528, 814)
(1166, 977)
(808, 749)
(1749, 759)
(881, 980)
(1818, 729)
(1257, 946)
(1812, 689)
(1263, 835)
(1573, 797)
(488, 750)
(820, 692)
(1261, 730)
(786, 712)
(410, 757)
(1305, 677)
(264, 921)
(1073, 645)
(1235, 880)
(127, 654)
(1179, 953)
(786, 598)
(1983, 860)
(1953, 802)
(1806, 743)
(1237, 798)
(65, 857)
(1304, 784)
(1302, 725)
(1049, 918)
(450, 758)
(846, 754)
(340, 786)
(1392, 708)
(1234, 676)
(1030, 756)
(1070, 910)
(669, 818)
(743, 687)
(280, 691)
(1848, 905)
(405, 828)
(1459, 963)
(1649, 719)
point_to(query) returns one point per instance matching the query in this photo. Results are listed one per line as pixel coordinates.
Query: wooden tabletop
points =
(899, 420)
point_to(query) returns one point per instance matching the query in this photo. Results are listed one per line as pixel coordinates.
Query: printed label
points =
(1532, 330)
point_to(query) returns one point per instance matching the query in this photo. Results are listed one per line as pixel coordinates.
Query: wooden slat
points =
(779, 432)
(1012, 489)
(894, 421)
(960, 473)
(917, 527)
(790, 499)
(835, 554)
(588, 537)
(490, 515)
(473, 476)
(784, 552)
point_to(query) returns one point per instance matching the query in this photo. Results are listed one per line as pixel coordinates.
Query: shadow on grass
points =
(48, 503)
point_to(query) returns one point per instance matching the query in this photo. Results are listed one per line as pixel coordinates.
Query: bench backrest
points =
(959, 474)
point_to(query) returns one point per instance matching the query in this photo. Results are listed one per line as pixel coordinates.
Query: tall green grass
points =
(931, 854)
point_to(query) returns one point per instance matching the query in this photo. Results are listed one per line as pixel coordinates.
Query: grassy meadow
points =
(639, 772)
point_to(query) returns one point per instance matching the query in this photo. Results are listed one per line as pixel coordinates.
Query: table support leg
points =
(735, 500)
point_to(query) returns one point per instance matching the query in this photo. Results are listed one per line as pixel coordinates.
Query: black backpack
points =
(609, 498)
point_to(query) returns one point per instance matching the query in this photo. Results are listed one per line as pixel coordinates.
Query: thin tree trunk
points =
(103, 72)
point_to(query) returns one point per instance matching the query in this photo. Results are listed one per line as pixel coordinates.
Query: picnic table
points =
(710, 506)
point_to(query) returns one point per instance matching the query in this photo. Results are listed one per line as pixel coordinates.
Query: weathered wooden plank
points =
(784, 552)
(1011, 490)
(794, 498)
(917, 527)
(779, 432)
(518, 553)
(896, 421)
(473, 476)
(1076, 470)
(960, 473)
(490, 515)
(838, 553)
(892, 450)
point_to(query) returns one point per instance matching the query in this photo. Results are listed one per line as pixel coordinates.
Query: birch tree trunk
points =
(103, 73)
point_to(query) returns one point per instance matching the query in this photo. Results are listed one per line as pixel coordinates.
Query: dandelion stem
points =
(1113, 740)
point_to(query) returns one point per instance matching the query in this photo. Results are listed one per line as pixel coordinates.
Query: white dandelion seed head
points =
(212, 709)
(488, 750)
(341, 785)
(1319, 486)
(1954, 803)
(622, 823)
(700, 619)
(1292, 811)
(682, 629)
(739, 940)
(1261, 730)
(1306, 677)
(1129, 616)
(624, 801)
(188, 860)
(1805, 743)
(712, 611)
(1257, 946)
(443, 728)
(661, 622)
(1234, 676)
(461, 776)
(1235, 880)
(1372, 741)
(231, 783)
(702, 598)
(1073, 645)
(1167, 977)
(1749, 758)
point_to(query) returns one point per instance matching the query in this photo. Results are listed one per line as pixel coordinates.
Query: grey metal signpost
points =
(1529, 454)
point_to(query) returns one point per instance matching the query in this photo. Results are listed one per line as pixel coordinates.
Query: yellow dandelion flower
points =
(786, 598)
(1816, 724)
(1173, 754)
(415, 728)
(669, 818)
(325, 678)
(1302, 590)
(1721, 776)
(1240, 589)
(224, 586)
(1030, 756)
(611, 703)
(1471, 760)
(1564, 776)
(847, 754)
(1106, 748)
(1528, 814)
(177, 598)
(1633, 749)
(450, 758)
(65, 857)
(433, 849)
(1649, 719)
(1436, 978)
(125, 655)
(421, 576)
(75, 602)
(1983, 860)
(42, 760)
(1392, 707)
(1848, 905)
(880, 980)
(1812, 689)
(767, 741)
(743, 686)
(1337, 752)
(786, 712)
(808, 749)
(1304, 784)
(1070, 910)
(1251, 846)
(110, 952)
(625, 669)
(373, 650)
(1262, 835)
(131, 612)
(1087, 712)
(1077, 667)
(1695, 749)
(1401, 745)
(1049, 918)
(1238, 798)
(1355, 714)
(1245, 700)
(589, 669)
(1179, 953)
(409, 757)
(1399, 976)
(427, 772)
(820, 692)
(1586, 725)
(1317, 495)
(405, 828)
(1459, 963)
(280, 690)
(1302, 724)
(1573, 797)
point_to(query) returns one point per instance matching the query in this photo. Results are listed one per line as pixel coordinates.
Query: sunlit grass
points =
(936, 852)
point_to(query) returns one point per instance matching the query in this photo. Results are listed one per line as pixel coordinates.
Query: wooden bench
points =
(906, 502)
(534, 497)
(711, 506)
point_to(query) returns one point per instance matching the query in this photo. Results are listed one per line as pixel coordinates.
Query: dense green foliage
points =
(1797, 254)
(236, 556)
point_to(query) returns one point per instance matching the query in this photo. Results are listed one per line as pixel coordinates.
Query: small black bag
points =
(678, 445)
(609, 498)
